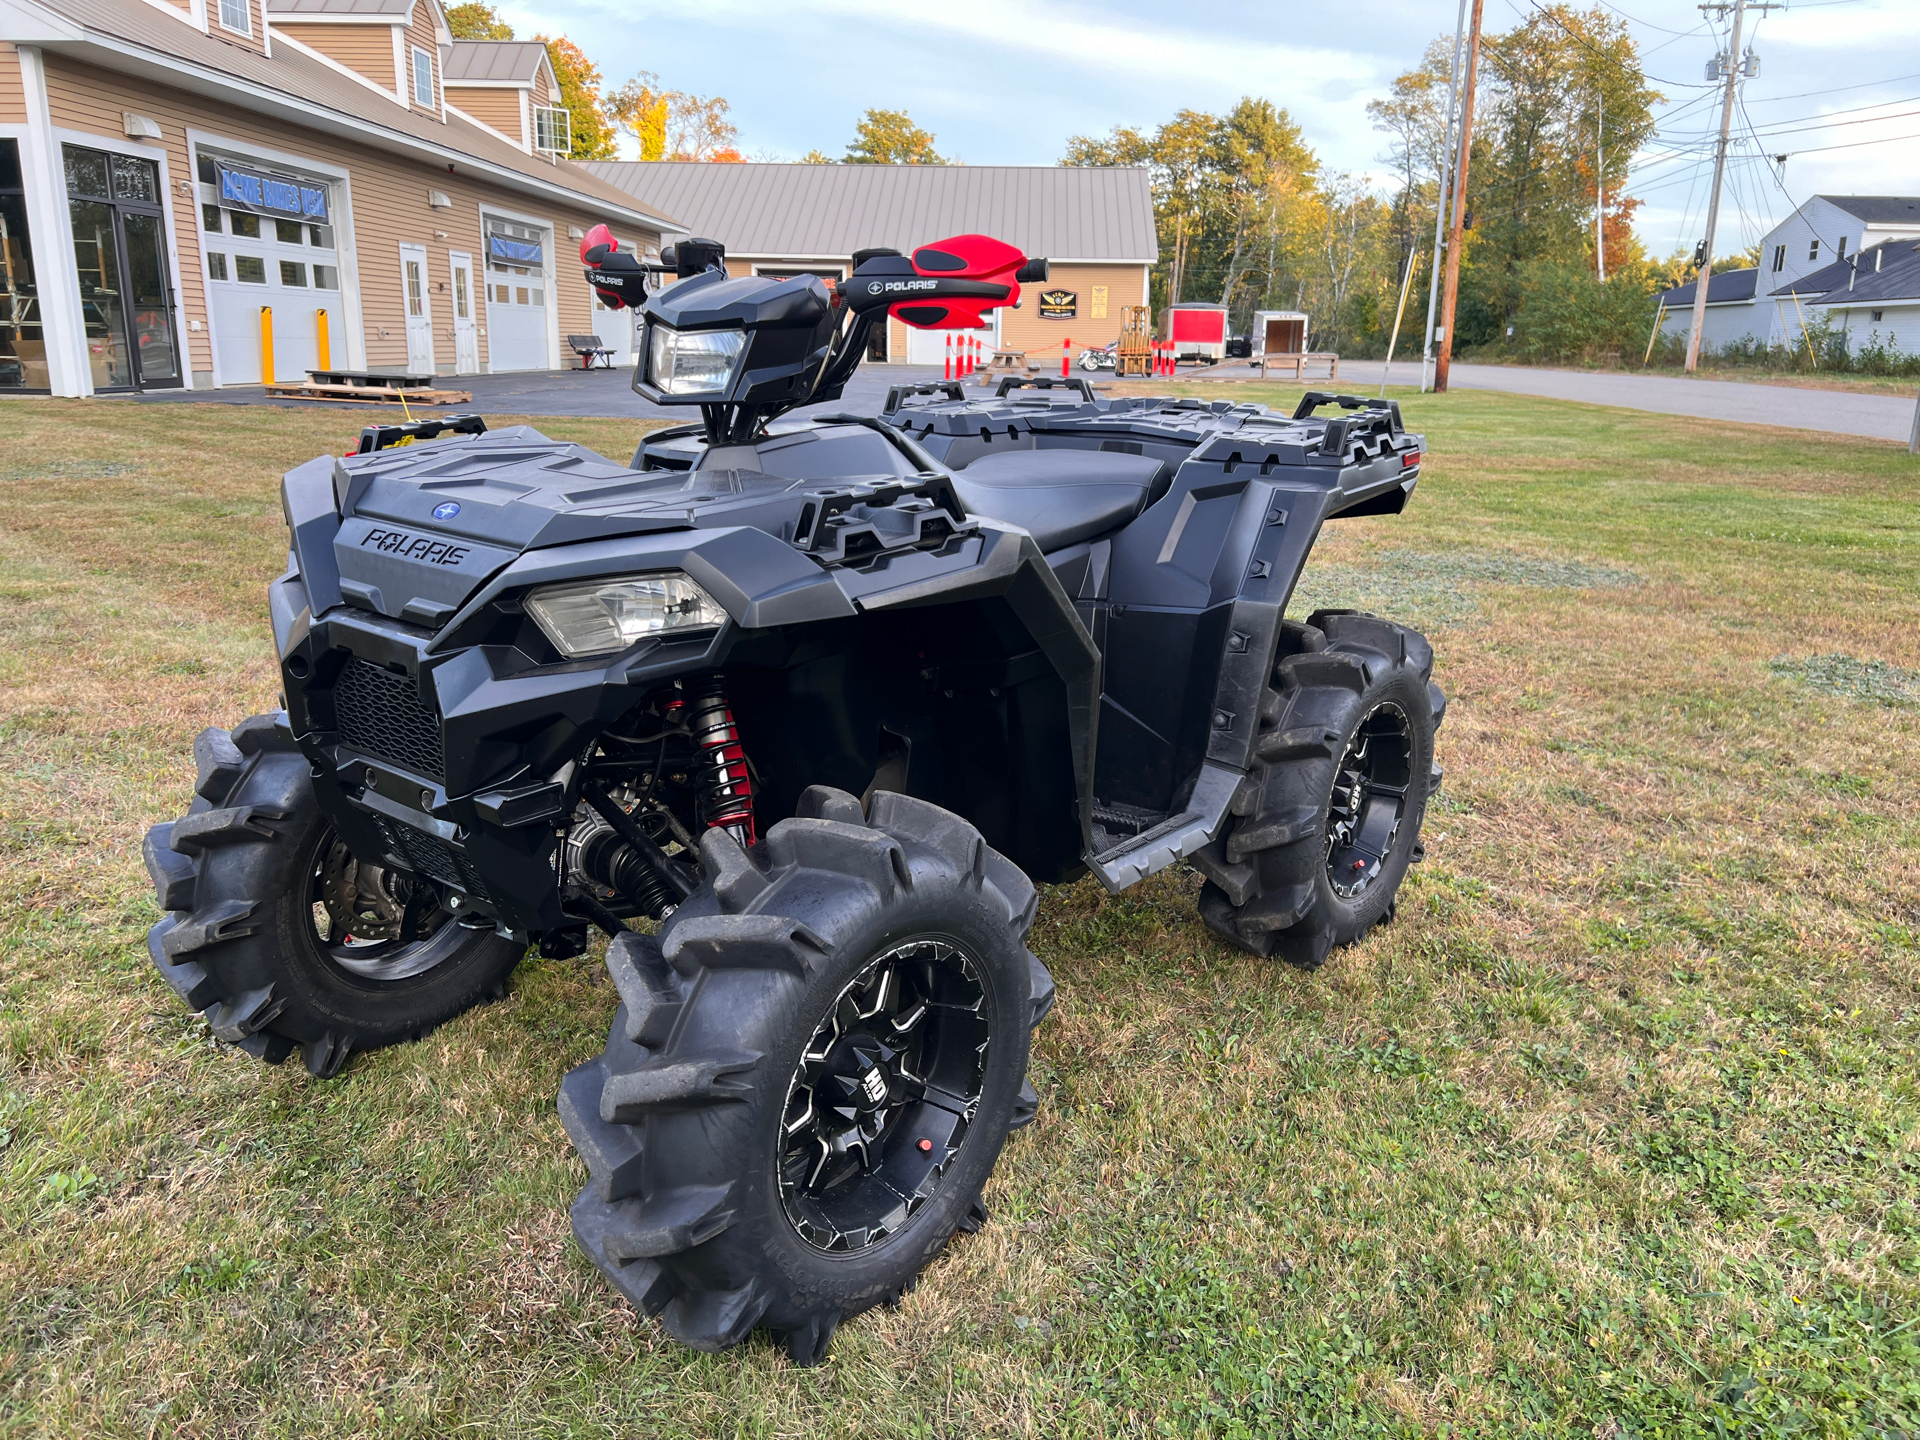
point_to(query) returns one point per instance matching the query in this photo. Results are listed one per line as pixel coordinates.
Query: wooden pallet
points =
(386, 396)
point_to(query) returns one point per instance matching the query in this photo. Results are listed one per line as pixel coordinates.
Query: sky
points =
(1005, 82)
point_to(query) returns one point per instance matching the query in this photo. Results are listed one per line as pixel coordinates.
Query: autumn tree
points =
(889, 137)
(477, 21)
(673, 124)
(594, 137)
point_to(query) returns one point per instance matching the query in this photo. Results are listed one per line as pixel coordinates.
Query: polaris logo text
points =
(413, 547)
(879, 287)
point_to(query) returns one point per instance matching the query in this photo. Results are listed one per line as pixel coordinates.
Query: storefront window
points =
(246, 226)
(120, 251)
(250, 268)
(292, 272)
(86, 172)
(216, 267)
(210, 219)
(289, 232)
(326, 277)
(23, 352)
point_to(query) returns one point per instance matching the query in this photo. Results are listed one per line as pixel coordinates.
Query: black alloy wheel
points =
(885, 1090)
(1370, 792)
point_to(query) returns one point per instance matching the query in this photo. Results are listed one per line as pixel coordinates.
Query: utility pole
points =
(1600, 186)
(1440, 200)
(1443, 362)
(1734, 66)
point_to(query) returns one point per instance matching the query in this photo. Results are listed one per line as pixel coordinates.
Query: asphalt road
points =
(1881, 417)
(610, 393)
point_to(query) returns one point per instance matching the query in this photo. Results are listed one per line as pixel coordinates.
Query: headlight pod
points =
(598, 617)
(693, 362)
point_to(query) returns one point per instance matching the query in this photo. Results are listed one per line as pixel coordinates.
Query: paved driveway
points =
(561, 392)
(1883, 417)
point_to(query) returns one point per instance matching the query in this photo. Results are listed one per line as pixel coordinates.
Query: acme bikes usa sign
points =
(272, 195)
(1059, 304)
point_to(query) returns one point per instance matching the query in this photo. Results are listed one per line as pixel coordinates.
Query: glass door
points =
(126, 288)
(23, 351)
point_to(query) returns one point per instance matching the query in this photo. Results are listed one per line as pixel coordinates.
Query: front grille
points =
(431, 856)
(381, 714)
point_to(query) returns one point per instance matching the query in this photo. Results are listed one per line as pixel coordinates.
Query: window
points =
(422, 78)
(1841, 252)
(210, 219)
(292, 272)
(235, 16)
(539, 296)
(552, 129)
(1779, 258)
(289, 232)
(519, 294)
(459, 293)
(249, 269)
(246, 226)
(23, 350)
(320, 236)
(416, 300)
(1876, 316)
(325, 277)
(216, 266)
(1813, 250)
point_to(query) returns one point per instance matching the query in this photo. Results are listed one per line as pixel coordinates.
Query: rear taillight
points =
(1410, 459)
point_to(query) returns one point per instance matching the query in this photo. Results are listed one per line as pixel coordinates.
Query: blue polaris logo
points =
(446, 510)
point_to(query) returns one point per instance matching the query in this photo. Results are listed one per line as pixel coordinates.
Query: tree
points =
(673, 124)
(818, 157)
(889, 137)
(476, 20)
(594, 137)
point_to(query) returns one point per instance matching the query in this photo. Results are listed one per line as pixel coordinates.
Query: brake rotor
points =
(360, 907)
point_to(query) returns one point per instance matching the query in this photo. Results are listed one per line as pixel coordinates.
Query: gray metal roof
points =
(490, 62)
(1879, 209)
(825, 211)
(1723, 287)
(1898, 276)
(371, 9)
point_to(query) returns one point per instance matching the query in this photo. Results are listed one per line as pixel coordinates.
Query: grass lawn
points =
(1614, 1132)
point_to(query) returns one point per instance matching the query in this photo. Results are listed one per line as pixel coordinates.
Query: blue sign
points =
(272, 194)
(521, 252)
(446, 510)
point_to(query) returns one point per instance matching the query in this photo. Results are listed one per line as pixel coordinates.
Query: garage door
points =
(519, 322)
(929, 347)
(291, 268)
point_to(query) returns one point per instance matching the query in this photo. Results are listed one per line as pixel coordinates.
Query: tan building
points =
(193, 191)
(1095, 226)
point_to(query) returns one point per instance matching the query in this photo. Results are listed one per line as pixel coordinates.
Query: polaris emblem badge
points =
(446, 510)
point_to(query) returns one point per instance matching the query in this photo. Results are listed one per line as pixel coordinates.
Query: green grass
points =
(1613, 1132)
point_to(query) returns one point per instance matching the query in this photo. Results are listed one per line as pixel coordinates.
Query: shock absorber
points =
(726, 786)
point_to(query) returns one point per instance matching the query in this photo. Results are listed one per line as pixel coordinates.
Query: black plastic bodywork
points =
(1093, 706)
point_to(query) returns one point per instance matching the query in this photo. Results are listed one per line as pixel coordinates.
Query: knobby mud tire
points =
(1268, 888)
(238, 942)
(681, 1120)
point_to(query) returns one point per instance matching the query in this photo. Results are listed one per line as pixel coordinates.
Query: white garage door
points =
(519, 320)
(929, 347)
(288, 266)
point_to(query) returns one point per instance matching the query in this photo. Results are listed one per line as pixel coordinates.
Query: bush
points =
(1566, 313)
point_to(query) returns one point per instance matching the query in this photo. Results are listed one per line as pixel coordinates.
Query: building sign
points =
(1099, 309)
(1059, 304)
(520, 252)
(271, 194)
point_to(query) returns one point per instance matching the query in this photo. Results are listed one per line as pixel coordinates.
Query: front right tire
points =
(811, 1073)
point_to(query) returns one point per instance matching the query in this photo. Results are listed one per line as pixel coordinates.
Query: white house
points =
(1812, 253)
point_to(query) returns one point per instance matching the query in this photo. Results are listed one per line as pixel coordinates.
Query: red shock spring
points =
(726, 787)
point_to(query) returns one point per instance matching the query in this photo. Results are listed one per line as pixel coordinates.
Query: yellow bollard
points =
(326, 341)
(266, 345)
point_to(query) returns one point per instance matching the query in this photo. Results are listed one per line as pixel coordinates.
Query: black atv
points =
(819, 697)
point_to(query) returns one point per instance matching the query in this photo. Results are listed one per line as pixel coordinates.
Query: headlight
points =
(693, 362)
(596, 617)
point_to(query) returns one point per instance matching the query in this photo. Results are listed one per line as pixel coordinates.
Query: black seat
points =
(1061, 497)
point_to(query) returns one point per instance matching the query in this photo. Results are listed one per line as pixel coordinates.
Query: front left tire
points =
(811, 1074)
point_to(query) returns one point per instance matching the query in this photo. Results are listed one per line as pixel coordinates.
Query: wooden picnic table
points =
(1300, 359)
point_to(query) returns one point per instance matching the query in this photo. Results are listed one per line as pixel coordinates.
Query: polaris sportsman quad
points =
(824, 698)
